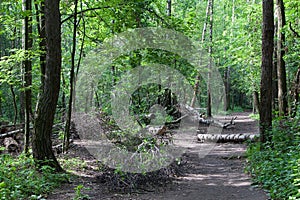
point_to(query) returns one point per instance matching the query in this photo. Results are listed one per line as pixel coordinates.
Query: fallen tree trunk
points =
(11, 133)
(193, 115)
(10, 144)
(227, 137)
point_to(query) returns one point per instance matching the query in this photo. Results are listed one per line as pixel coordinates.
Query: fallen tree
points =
(189, 115)
(195, 117)
(227, 137)
(11, 133)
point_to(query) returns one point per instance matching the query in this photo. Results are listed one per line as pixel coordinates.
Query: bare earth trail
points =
(218, 176)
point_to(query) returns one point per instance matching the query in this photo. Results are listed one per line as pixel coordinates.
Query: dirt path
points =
(218, 176)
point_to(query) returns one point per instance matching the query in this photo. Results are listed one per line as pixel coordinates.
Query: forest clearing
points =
(139, 99)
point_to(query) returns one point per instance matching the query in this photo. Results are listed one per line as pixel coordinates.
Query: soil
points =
(217, 176)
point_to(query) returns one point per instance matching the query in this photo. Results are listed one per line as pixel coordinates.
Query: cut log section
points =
(11, 145)
(227, 137)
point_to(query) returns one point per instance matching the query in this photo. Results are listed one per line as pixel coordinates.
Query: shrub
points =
(20, 180)
(277, 166)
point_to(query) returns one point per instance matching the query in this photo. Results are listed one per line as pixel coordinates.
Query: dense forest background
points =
(235, 41)
(43, 46)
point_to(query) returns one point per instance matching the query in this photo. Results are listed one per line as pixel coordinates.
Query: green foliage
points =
(254, 116)
(79, 194)
(20, 180)
(277, 166)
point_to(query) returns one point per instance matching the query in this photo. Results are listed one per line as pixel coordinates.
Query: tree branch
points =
(293, 30)
(86, 10)
(107, 7)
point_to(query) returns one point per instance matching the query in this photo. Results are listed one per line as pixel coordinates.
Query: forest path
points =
(218, 176)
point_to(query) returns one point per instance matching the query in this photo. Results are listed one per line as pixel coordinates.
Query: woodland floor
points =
(218, 176)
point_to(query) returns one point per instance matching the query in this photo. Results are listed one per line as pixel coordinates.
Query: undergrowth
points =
(277, 167)
(19, 179)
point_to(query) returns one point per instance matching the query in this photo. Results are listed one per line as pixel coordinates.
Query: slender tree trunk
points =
(296, 94)
(13, 94)
(72, 73)
(209, 114)
(27, 45)
(255, 102)
(40, 18)
(266, 71)
(198, 77)
(63, 99)
(206, 19)
(196, 90)
(281, 71)
(274, 76)
(41, 140)
(227, 89)
(169, 8)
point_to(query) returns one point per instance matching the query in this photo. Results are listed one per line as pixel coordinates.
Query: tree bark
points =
(227, 89)
(27, 79)
(281, 71)
(41, 140)
(209, 114)
(266, 71)
(274, 75)
(255, 102)
(13, 94)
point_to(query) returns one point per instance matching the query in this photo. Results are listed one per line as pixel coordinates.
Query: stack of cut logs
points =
(11, 137)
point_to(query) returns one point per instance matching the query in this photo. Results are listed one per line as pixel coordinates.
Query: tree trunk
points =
(209, 114)
(296, 94)
(169, 9)
(72, 73)
(198, 77)
(274, 76)
(255, 102)
(63, 99)
(40, 18)
(27, 45)
(266, 71)
(281, 71)
(196, 90)
(41, 140)
(14, 103)
(227, 89)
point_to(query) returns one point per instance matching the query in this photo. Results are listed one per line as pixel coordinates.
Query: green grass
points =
(20, 180)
